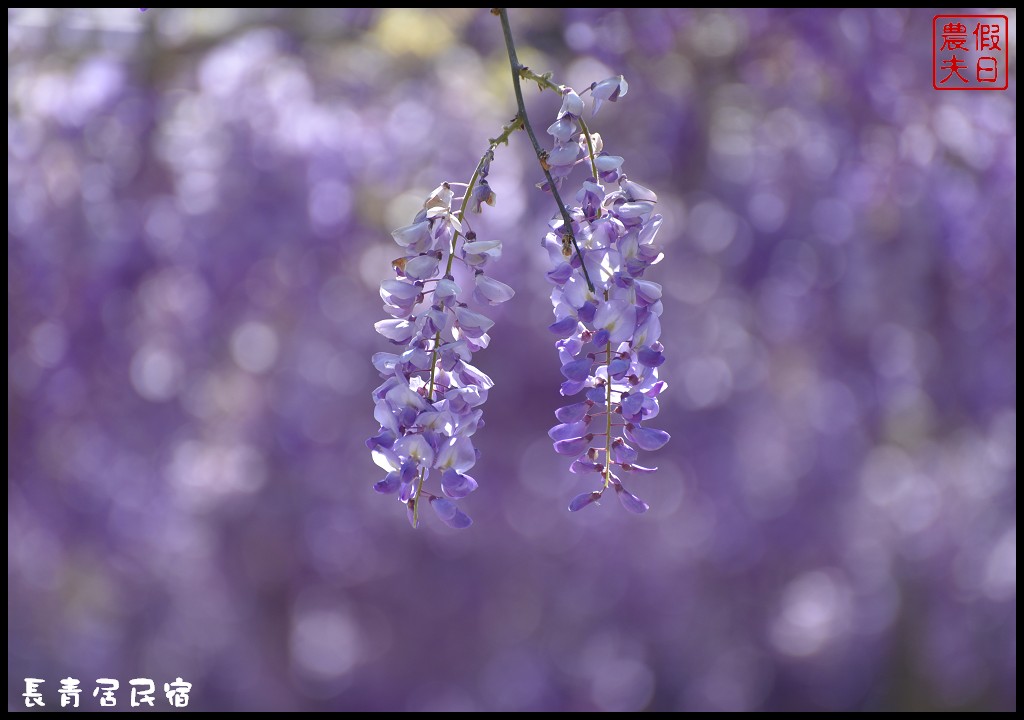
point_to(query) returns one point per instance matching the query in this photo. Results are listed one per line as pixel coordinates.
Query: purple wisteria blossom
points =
(609, 337)
(429, 404)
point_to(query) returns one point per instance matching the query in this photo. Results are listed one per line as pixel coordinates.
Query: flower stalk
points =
(517, 69)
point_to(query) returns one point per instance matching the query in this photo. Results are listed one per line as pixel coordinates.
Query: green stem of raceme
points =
(608, 429)
(506, 132)
(520, 70)
(608, 417)
(593, 155)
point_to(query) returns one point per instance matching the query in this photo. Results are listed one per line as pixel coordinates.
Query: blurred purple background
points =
(199, 209)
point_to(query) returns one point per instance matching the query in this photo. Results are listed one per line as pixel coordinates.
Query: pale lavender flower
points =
(611, 90)
(428, 406)
(609, 338)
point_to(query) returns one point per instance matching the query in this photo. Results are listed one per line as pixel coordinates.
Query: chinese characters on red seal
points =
(970, 52)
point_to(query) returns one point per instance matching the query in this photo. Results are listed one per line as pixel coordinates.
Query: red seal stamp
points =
(970, 52)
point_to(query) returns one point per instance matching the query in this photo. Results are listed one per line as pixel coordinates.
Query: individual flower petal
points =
(560, 273)
(443, 229)
(575, 446)
(567, 431)
(422, 267)
(415, 237)
(636, 191)
(463, 400)
(438, 421)
(607, 163)
(397, 331)
(385, 458)
(384, 413)
(385, 363)
(460, 521)
(647, 438)
(408, 490)
(630, 467)
(607, 166)
(414, 359)
(435, 320)
(565, 327)
(446, 292)
(410, 512)
(473, 324)
(384, 438)
(573, 413)
(565, 155)
(618, 317)
(648, 331)
(444, 508)
(650, 385)
(563, 129)
(476, 344)
(569, 348)
(481, 194)
(491, 291)
(647, 292)
(456, 454)
(618, 368)
(650, 230)
(630, 501)
(390, 484)
(478, 252)
(398, 292)
(611, 90)
(572, 103)
(631, 405)
(582, 500)
(576, 293)
(482, 247)
(571, 387)
(581, 466)
(588, 311)
(578, 369)
(402, 396)
(450, 514)
(441, 196)
(457, 485)
(472, 376)
(622, 453)
(649, 357)
(415, 448)
(469, 423)
(635, 209)
(451, 353)
(622, 280)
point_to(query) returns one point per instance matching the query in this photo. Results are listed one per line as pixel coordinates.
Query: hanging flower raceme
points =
(429, 405)
(609, 337)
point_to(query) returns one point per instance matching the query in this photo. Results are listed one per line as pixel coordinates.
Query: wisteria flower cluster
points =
(606, 319)
(606, 313)
(429, 405)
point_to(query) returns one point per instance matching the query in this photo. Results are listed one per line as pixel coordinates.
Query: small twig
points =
(544, 81)
(517, 68)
